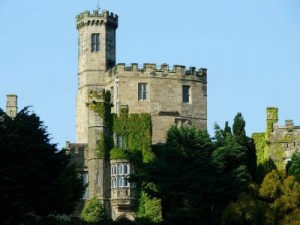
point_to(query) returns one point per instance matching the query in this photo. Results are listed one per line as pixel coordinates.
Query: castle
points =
(168, 96)
(277, 143)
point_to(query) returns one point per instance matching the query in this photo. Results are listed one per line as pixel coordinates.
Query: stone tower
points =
(12, 105)
(96, 56)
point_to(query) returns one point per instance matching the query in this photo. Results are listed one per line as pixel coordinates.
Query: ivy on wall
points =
(100, 103)
(136, 132)
(260, 144)
(272, 118)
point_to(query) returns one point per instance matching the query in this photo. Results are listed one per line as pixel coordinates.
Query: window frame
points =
(142, 91)
(186, 94)
(95, 42)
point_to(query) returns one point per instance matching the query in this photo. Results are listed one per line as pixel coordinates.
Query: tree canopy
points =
(35, 178)
(194, 175)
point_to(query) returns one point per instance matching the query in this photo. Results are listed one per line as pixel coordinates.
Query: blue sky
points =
(250, 48)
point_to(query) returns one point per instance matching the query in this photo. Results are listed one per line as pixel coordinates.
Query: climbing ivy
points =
(136, 132)
(260, 144)
(99, 102)
(272, 118)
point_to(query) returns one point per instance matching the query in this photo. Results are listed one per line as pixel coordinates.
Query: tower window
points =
(142, 92)
(186, 93)
(95, 42)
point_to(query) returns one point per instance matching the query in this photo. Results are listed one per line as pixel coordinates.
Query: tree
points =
(183, 176)
(282, 193)
(293, 166)
(33, 172)
(93, 211)
(230, 157)
(239, 132)
(248, 209)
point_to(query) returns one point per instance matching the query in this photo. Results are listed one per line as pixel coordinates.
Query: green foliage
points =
(292, 218)
(259, 140)
(93, 211)
(177, 173)
(100, 103)
(276, 151)
(282, 193)
(239, 125)
(230, 158)
(137, 130)
(271, 186)
(70, 189)
(118, 153)
(276, 201)
(248, 209)
(33, 173)
(272, 118)
(264, 168)
(293, 166)
(149, 209)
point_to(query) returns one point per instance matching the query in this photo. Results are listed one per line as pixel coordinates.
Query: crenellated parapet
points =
(95, 19)
(77, 152)
(164, 70)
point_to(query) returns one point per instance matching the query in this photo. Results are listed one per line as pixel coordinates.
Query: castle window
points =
(114, 182)
(126, 183)
(120, 142)
(142, 91)
(121, 181)
(121, 172)
(115, 170)
(95, 42)
(85, 182)
(186, 93)
(120, 175)
(126, 169)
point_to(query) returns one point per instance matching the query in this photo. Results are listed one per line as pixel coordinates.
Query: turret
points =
(96, 56)
(12, 105)
(272, 118)
(96, 40)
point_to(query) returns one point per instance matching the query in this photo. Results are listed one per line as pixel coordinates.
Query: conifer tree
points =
(33, 173)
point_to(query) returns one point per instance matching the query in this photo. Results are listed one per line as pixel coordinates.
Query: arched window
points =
(126, 182)
(121, 181)
(121, 172)
(126, 169)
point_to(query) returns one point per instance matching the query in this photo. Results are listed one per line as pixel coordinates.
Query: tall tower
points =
(11, 105)
(96, 56)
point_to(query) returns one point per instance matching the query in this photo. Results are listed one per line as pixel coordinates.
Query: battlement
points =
(75, 149)
(87, 18)
(164, 70)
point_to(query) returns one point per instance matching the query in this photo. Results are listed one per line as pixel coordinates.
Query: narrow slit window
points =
(95, 42)
(186, 93)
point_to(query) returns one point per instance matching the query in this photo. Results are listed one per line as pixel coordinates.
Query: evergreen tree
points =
(34, 175)
(293, 166)
(239, 132)
(183, 177)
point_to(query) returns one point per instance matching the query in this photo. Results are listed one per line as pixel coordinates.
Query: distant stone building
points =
(169, 95)
(11, 105)
(277, 142)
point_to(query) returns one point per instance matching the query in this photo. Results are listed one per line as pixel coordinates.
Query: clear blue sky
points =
(250, 48)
